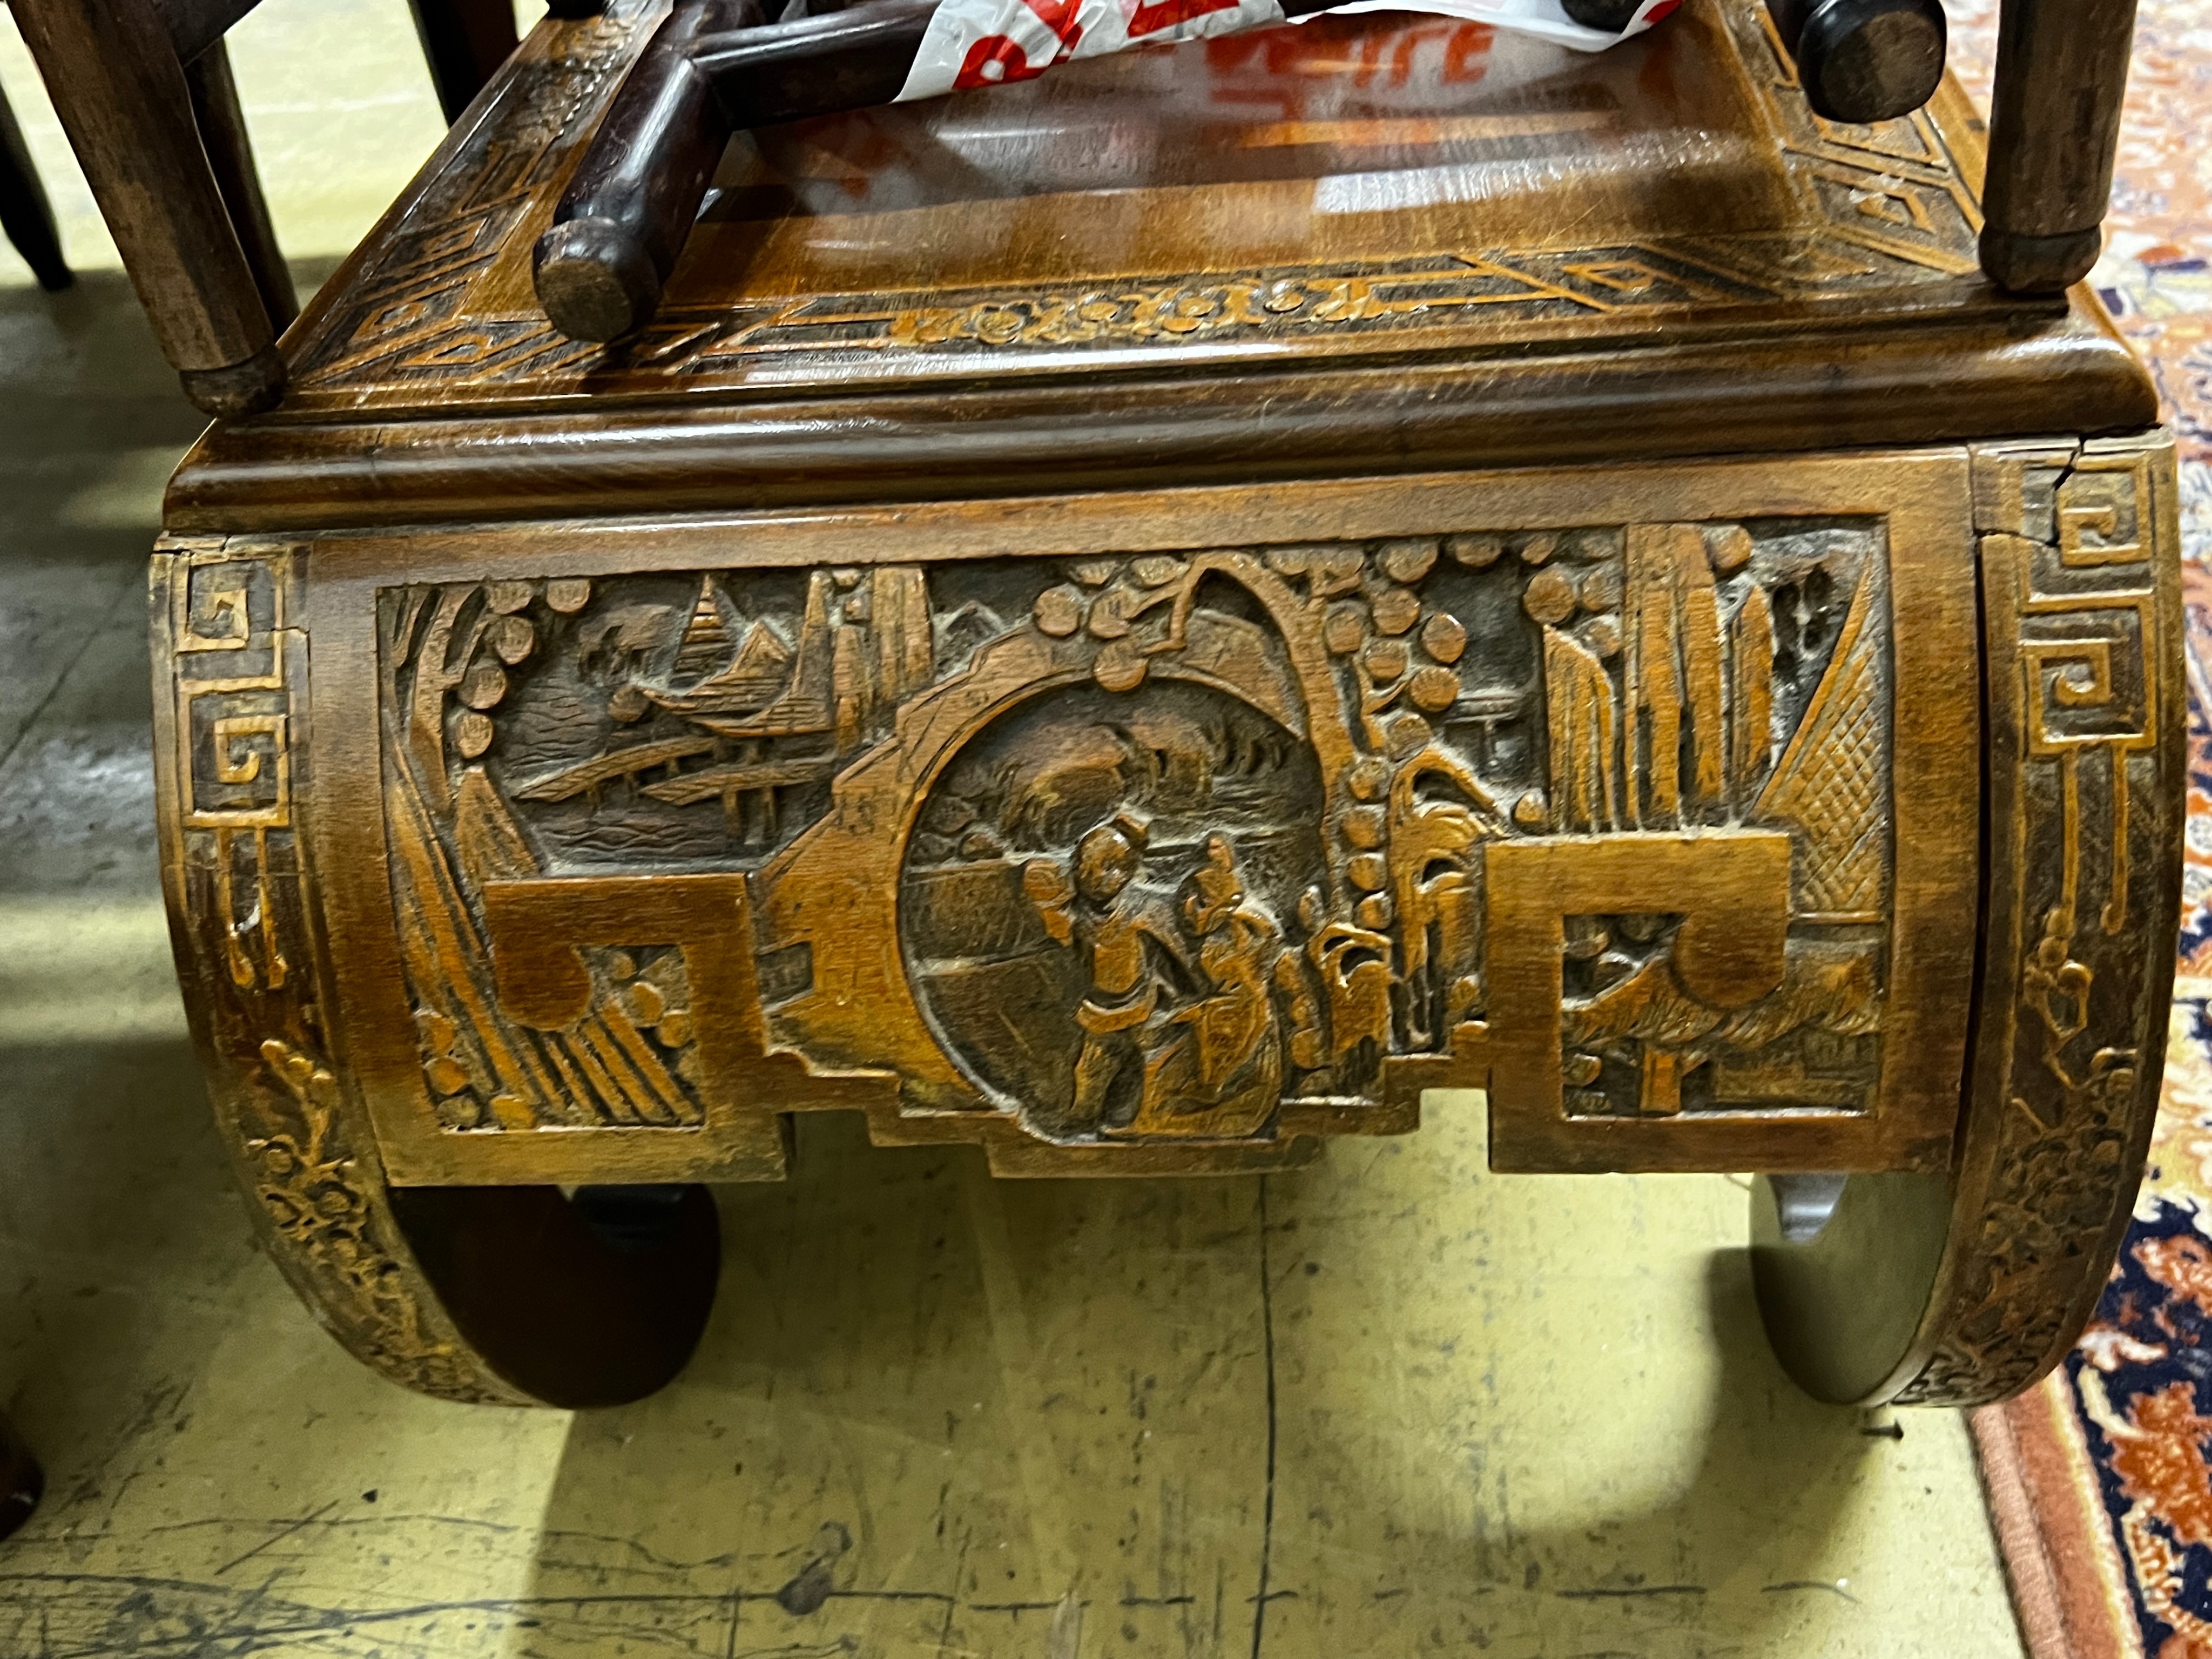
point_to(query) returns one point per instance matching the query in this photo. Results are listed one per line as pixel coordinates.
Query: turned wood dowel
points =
(850, 59)
(1863, 60)
(2054, 125)
(842, 60)
(629, 206)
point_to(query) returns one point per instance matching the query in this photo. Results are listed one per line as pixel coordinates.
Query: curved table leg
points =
(1960, 1290)
(512, 1295)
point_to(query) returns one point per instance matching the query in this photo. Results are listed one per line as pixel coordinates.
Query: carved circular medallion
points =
(1092, 904)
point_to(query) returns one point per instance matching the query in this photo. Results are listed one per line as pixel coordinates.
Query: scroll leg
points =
(1964, 1288)
(510, 1295)
(504, 1295)
(2054, 125)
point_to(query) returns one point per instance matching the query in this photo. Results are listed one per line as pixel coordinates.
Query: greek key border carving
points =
(2085, 729)
(235, 879)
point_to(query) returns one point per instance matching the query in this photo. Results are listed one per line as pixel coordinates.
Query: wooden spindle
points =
(629, 206)
(122, 97)
(2054, 125)
(221, 123)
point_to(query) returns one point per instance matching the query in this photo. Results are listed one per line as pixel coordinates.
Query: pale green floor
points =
(1391, 1405)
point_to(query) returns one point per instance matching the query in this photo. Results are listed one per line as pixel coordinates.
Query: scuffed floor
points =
(1390, 1405)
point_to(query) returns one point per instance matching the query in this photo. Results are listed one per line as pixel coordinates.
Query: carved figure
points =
(1130, 947)
(1217, 1068)
(1354, 965)
(1678, 676)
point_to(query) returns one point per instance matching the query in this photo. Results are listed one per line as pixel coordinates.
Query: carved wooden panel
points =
(1176, 856)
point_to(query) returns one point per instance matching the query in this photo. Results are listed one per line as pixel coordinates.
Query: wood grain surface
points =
(1171, 828)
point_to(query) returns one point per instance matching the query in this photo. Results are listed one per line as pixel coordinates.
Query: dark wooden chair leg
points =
(1860, 60)
(2054, 125)
(465, 42)
(230, 154)
(113, 74)
(24, 214)
(21, 1481)
(630, 202)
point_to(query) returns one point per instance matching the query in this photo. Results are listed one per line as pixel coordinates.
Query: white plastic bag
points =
(983, 43)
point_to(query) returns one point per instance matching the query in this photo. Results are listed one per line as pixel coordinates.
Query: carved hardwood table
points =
(1144, 620)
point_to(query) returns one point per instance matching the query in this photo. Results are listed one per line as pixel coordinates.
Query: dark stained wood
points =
(931, 303)
(465, 42)
(2061, 74)
(1611, 15)
(623, 224)
(567, 1310)
(237, 389)
(143, 87)
(230, 155)
(26, 216)
(120, 92)
(1863, 60)
(195, 25)
(598, 271)
(620, 229)
(814, 65)
(21, 1481)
